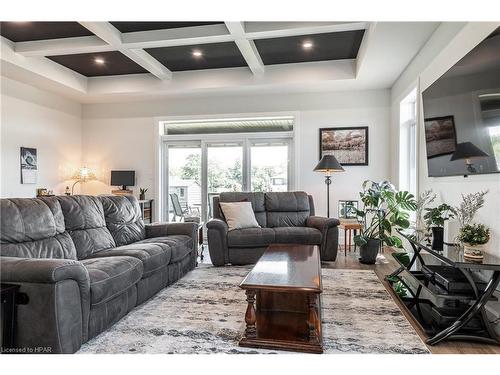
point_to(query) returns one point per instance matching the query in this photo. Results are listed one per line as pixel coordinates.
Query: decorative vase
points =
(369, 251)
(142, 197)
(437, 238)
(473, 251)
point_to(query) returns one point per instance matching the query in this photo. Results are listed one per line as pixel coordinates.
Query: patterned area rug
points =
(204, 313)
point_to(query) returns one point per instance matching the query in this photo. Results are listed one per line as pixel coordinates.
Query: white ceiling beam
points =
(106, 31)
(111, 35)
(41, 67)
(177, 37)
(246, 47)
(148, 62)
(264, 30)
(62, 46)
(318, 72)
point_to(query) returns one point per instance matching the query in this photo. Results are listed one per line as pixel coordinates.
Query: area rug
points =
(204, 313)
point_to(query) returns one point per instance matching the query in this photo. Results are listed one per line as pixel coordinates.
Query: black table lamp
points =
(328, 164)
(467, 151)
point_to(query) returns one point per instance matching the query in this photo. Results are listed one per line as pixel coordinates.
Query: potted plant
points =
(434, 220)
(384, 209)
(142, 193)
(474, 237)
(419, 227)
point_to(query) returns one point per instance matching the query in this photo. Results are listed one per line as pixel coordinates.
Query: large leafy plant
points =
(384, 209)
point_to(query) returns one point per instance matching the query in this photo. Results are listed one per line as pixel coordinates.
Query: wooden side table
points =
(348, 229)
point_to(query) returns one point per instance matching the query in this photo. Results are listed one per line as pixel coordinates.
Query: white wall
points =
(122, 135)
(449, 43)
(34, 118)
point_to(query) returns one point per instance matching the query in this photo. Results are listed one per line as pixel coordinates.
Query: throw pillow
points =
(239, 215)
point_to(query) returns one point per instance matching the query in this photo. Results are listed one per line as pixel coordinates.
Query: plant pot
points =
(473, 251)
(437, 238)
(142, 197)
(369, 251)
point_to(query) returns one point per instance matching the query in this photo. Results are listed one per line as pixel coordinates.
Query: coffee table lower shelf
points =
(284, 321)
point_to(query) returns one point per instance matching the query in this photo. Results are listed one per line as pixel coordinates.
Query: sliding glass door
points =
(184, 180)
(224, 169)
(196, 171)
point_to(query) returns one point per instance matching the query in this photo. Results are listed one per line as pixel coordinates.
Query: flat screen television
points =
(123, 179)
(462, 114)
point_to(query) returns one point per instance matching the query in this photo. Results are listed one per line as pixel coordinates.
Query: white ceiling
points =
(386, 50)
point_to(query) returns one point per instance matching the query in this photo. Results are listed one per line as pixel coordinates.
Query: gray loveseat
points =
(286, 217)
(84, 262)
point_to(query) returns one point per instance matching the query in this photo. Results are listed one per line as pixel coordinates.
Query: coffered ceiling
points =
(98, 59)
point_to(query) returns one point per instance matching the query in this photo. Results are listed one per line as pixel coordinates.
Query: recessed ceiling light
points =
(307, 44)
(197, 53)
(99, 60)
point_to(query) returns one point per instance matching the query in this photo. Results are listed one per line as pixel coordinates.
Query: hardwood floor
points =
(385, 265)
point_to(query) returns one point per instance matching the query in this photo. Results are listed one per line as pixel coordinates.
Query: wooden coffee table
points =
(284, 305)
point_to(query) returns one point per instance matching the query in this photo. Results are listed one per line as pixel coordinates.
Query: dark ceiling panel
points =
(214, 56)
(128, 27)
(29, 31)
(115, 63)
(329, 46)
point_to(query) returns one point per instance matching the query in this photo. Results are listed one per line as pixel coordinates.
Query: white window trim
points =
(161, 168)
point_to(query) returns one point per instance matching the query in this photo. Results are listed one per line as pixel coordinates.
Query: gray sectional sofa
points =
(284, 217)
(84, 262)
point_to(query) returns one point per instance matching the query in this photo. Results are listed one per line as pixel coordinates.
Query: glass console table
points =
(443, 292)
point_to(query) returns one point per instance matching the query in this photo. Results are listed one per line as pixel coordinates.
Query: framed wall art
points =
(349, 145)
(29, 165)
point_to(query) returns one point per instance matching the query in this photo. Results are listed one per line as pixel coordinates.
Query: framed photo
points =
(29, 165)
(347, 209)
(440, 136)
(349, 145)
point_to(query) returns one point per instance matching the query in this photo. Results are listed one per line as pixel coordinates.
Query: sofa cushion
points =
(179, 245)
(297, 235)
(84, 218)
(239, 215)
(153, 256)
(250, 237)
(34, 228)
(257, 200)
(287, 209)
(111, 276)
(123, 218)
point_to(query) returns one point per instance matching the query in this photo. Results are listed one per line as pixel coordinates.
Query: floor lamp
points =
(327, 165)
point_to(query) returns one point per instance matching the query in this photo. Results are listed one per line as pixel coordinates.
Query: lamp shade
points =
(84, 174)
(467, 150)
(328, 163)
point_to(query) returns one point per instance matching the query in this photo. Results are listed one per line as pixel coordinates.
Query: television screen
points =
(462, 114)
(122, 178)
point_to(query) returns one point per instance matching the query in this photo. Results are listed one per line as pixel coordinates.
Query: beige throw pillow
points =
(239, 215)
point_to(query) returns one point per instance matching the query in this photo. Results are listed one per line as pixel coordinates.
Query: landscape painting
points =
(349, 145)
(440, 136)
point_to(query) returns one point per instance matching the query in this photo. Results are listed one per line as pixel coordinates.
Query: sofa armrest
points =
(217, 242)
(56, 314)
(171, 229)
(329, 235)
(322, 223)
(36, 270)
